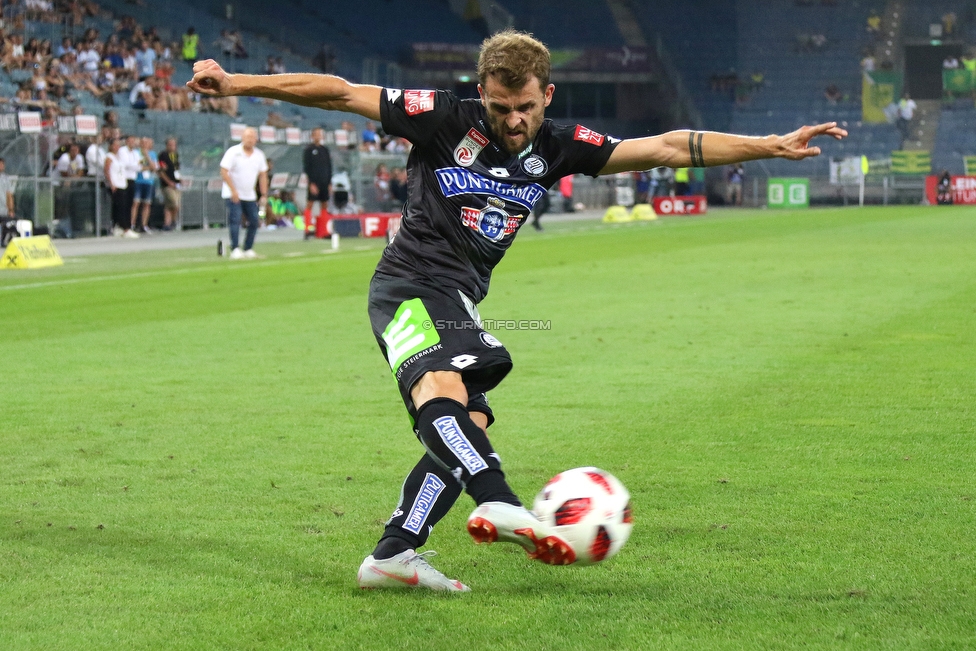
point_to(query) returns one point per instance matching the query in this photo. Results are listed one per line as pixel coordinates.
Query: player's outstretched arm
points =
(708, 148)
(320, 91)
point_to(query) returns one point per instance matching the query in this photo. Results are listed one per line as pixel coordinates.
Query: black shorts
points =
(422, 328)
(322, 195)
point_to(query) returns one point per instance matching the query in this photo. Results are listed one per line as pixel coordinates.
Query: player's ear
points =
(549, 91)
(481, 94)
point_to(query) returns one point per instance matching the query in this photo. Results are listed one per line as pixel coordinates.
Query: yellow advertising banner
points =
(30, 253)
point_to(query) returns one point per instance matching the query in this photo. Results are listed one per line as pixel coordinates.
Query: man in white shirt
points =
(131, 166)
(906, 112)
(242, 168)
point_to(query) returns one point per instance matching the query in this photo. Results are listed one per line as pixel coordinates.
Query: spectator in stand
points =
(874, 24)
(833, 95)
(71, 163)
(242, 167)
(342, 202)
(64, 47)
(398, 187)
(116, 182)
(191, 42)
(145, 186)
(370, 139)
(325, 59)
(566, 191)
(906, 113)
(642, 185)
(317, 166)
(735, 176)
(141, 96)
(146, 60)
(169, 179)
(868, 62)
(949, 21)
(381, 187)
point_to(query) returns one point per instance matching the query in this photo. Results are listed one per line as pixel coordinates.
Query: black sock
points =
(428, 493)
(462, 448)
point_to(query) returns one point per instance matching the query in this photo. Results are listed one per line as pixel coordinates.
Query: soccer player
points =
(477, 169)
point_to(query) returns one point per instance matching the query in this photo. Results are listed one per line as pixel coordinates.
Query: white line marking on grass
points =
(165, 272)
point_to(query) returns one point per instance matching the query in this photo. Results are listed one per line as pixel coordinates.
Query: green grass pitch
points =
(197, 454)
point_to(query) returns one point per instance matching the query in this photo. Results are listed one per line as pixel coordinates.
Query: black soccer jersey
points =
(468, 196)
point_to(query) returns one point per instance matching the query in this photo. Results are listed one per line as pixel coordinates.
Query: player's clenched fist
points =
(209, 79)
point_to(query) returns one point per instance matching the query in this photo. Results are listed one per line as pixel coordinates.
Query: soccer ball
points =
(588, 508)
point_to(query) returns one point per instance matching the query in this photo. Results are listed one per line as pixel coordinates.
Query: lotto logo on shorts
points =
(588, 135)
(429, 492)
(454, 438)
(418, 101)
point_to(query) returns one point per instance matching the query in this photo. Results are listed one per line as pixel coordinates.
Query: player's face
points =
(515, 115)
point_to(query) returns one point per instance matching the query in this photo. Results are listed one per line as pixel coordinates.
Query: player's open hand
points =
(210, 79)
(796, 145)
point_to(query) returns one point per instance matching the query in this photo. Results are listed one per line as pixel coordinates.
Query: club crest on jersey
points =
(535, 165)
(470, 146)
(491, 222)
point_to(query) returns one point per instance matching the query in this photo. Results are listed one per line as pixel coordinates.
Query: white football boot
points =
(501, 522)
(406, 570)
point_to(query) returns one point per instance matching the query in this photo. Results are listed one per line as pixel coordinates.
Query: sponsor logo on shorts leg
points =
(470, 146)
(410, 332)
(450, 432)
(463, 361)
(429, 492)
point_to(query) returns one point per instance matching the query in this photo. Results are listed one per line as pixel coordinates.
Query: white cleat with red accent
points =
(501, 522)
(406, 570)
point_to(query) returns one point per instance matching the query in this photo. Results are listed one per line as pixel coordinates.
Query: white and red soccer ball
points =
(588, 508)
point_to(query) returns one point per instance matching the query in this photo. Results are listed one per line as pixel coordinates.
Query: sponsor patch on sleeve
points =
(588, 135)
(418, 101)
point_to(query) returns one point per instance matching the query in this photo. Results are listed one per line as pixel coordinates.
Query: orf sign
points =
(788, 193)
(29, 121)
(689, 205)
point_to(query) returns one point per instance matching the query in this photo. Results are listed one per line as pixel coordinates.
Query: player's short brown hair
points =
(512, 57)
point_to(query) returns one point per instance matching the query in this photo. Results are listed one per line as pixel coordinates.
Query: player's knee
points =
(480, 419)
(439, 384)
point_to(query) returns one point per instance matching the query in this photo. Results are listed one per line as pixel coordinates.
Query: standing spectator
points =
(381, 187)
(906, 113)
(129, 157)
(146, 60)
(242, 167)
(116, 183)
(325, 59)
(169, 179)
(642, 185)
(95, 154)
(7, 184)
(370, 139)
(735, 176)
(317, 165)
(398, 187)
(71, 164)
(566, 190)
(145, 185)
(191, 41)
(681, 181)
